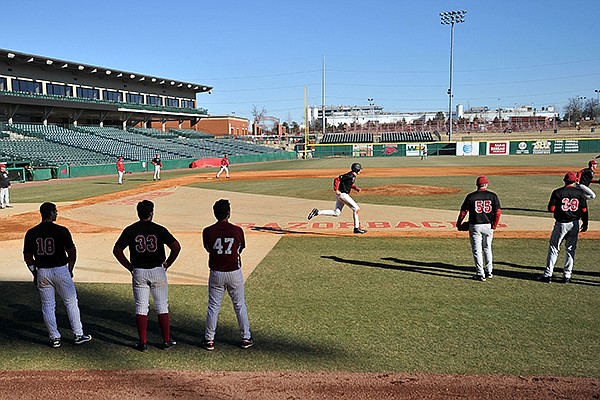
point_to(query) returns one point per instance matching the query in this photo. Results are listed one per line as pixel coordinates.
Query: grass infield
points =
(347, 303)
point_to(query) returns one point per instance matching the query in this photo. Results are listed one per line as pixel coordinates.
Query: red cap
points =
(2, 166)
(482, 180)
(570, 177)
(592, 162)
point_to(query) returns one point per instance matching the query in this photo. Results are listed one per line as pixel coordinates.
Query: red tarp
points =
(206, 162)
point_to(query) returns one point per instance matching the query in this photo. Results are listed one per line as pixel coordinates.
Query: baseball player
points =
(224, 243)
(50, 255)
(146, 241)
(120, 169)
(157, 162)
(342, 186)
(4, 185)
(224, 167)
(585, 177)
(484, 212)
(568, 204)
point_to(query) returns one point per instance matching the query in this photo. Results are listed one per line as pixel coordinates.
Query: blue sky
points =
(264, 53)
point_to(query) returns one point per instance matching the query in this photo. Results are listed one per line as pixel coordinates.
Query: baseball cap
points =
(482, 180)
(592, 162)
(570, 177)
(2, 166)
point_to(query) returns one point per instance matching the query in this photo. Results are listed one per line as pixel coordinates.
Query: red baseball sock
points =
(163, 322)
(141, 321)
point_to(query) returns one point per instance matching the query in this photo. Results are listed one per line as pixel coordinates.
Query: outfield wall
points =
(460, 148)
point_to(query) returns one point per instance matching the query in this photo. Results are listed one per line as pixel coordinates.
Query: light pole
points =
(370, 100)
(451, 18)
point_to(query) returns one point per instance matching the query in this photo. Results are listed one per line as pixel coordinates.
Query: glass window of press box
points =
(171, 102)
(3, 85)
(187, 104)
(59, 90)
(32, 87)
(88, 93)
(154, 100)
(135, 98)
(112, 95)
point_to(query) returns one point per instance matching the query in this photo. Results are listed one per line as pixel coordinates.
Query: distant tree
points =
(574, 109)
(439, 116)
(294, 127)
(257, 113)
(591, 109)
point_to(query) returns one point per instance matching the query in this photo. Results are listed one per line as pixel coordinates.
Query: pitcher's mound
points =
(408, 190)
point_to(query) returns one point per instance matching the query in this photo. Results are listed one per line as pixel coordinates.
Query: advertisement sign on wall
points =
(498, 148)
(362, 150)
(467, 148)
(415, 149)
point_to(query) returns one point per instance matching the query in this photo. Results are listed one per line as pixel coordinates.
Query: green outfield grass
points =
(347, 303)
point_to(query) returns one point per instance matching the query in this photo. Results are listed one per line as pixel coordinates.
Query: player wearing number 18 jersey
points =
(146, 241)
(224, 243)
(568, 204)
(483, 208)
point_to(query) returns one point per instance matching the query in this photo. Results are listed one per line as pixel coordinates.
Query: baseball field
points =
(389, 314)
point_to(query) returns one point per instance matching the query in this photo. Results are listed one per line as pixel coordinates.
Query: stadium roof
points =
(10, 56)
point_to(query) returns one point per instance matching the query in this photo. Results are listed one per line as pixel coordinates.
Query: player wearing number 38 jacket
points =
(483, 208)
(568, 204)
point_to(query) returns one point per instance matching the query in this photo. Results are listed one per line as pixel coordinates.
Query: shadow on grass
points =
(107, 313)
(576, 278)
(524, 209)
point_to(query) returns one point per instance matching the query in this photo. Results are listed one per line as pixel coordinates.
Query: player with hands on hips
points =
(342, 186)
(50, 255)
(146, 241)
(484, 212)
(569, 205)
(224, 167)
(224, 243)
(157, 162)
(4, 185)
(585, 177)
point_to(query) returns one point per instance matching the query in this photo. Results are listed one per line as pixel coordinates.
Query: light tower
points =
(451, 18)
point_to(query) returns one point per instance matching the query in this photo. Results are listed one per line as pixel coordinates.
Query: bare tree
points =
(591, 109)
(574, 109)
(257, 113)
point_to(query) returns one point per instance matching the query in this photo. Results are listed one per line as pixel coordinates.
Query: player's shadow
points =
(577, 276)
(421, 267)
(524, 209)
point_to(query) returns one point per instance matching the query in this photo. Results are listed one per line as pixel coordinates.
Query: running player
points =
(342, 186)
(50, 255)
(585, 177)
(568, 204)
(146, 241)
(224, 167)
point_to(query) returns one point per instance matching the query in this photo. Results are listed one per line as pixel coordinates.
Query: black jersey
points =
(146, 241)
(585, 176)
(345, 182)
(4, 180)
(224, 243)
(482, 206)
(568, 204)
(48, 243)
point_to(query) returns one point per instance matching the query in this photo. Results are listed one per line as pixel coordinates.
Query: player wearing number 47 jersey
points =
(50, 255)
(568, 204)
(484, 212)
(224, 243)
(146, 241)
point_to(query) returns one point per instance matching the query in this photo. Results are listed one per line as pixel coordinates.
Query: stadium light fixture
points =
(94, 70)
(30, 60)
(132, 76)
(451, 18)
(161, 82)
(49, 62)
(10, 55)
(180, 85)
(81, 67)
(120, 75)
(108, 72)
(143, 78)
(153, 79)
(172, 83)
(65, 65)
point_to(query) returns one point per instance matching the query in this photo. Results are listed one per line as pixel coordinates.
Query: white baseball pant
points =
(156, 172)
(480, 236)
(569, 232)
(223, 168)
(58, 280)
(343, 199)
(146, 281)
(233, 281)
(4, 198)
(589, 193)
(120, 177)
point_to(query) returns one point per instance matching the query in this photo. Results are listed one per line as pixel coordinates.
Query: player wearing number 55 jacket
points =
(483, 208)
(569, 205)
(148, 265)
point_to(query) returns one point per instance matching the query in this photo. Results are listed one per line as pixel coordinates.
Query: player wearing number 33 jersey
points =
(568, 204)
(483, 207)
(146, 241)
(224, 243)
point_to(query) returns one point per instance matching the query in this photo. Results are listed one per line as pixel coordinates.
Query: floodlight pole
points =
(450, 18)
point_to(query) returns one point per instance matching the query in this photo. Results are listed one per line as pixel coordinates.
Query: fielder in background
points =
(342, 186)
(224, 167)
(224, 243)
(146, 241)
(50, 255)
(4, 185)
(585, 177)
(484, 212)
(120, 169)
(568, 204)
(157, 162)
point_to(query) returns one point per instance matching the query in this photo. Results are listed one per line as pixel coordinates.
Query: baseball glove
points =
(463, 226)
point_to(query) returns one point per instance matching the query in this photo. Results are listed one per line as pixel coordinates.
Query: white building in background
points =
(335, 115)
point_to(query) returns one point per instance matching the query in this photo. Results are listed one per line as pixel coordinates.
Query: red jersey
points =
(224, 243)
(224, 162)
(120, 166)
